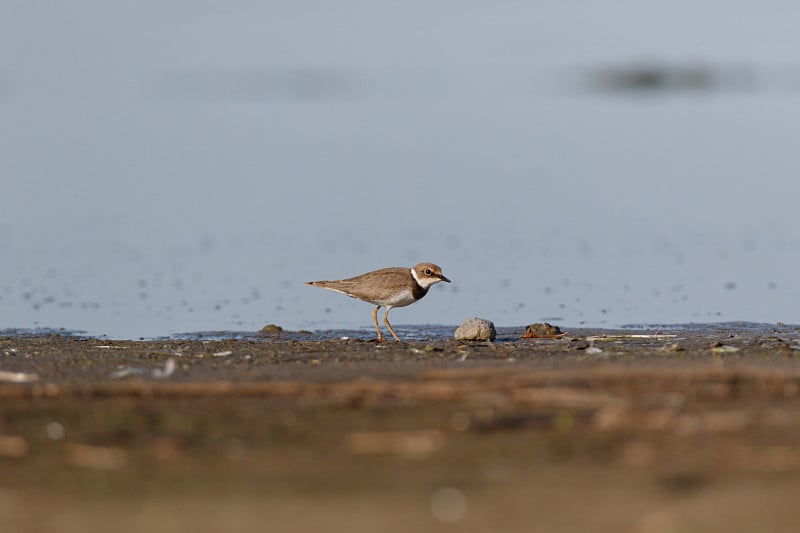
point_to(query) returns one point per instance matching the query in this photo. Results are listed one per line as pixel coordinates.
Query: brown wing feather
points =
(366, 287)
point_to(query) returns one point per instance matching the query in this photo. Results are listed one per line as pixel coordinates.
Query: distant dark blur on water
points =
(186, 166)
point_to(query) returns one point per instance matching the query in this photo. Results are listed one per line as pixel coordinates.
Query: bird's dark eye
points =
(428, 272)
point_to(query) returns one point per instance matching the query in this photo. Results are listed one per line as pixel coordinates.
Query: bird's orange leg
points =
(386, 321)
(377, 327)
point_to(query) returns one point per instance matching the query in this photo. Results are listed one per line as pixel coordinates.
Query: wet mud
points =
(676, 428)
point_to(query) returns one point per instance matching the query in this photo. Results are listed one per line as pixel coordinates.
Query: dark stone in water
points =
(542, 329)
(271, 329)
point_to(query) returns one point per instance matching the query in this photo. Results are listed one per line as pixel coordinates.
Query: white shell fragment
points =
(167, 371)
(18, 377)
(158, 373)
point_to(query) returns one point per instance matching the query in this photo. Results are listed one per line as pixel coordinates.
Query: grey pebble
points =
(476, 329)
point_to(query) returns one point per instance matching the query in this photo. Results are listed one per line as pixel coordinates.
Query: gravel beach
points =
(675, 428)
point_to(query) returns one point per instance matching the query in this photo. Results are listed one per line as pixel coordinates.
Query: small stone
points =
(723, 348)
(542, 329)
(96, 457)
(271, 329)
(476, 329)
(13, 446)
(432, 348)
(55, 431)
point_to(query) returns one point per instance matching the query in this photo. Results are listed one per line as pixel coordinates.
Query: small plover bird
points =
(388, 287)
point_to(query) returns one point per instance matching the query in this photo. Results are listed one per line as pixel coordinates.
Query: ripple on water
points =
(42, 332)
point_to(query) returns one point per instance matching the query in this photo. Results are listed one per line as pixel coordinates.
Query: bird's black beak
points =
(444, 278)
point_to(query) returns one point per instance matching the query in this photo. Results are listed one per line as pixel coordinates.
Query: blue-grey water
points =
(185, 166)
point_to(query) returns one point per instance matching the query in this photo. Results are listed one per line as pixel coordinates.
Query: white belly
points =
(401, 299)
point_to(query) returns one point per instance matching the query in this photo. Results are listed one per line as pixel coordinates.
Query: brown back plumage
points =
(373, 286)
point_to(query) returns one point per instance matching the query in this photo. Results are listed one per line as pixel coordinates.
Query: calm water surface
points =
(187, 167)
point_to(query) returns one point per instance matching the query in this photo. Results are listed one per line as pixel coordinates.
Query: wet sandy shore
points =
(670, 429)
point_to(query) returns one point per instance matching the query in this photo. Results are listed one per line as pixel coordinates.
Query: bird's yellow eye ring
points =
(428, 272)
